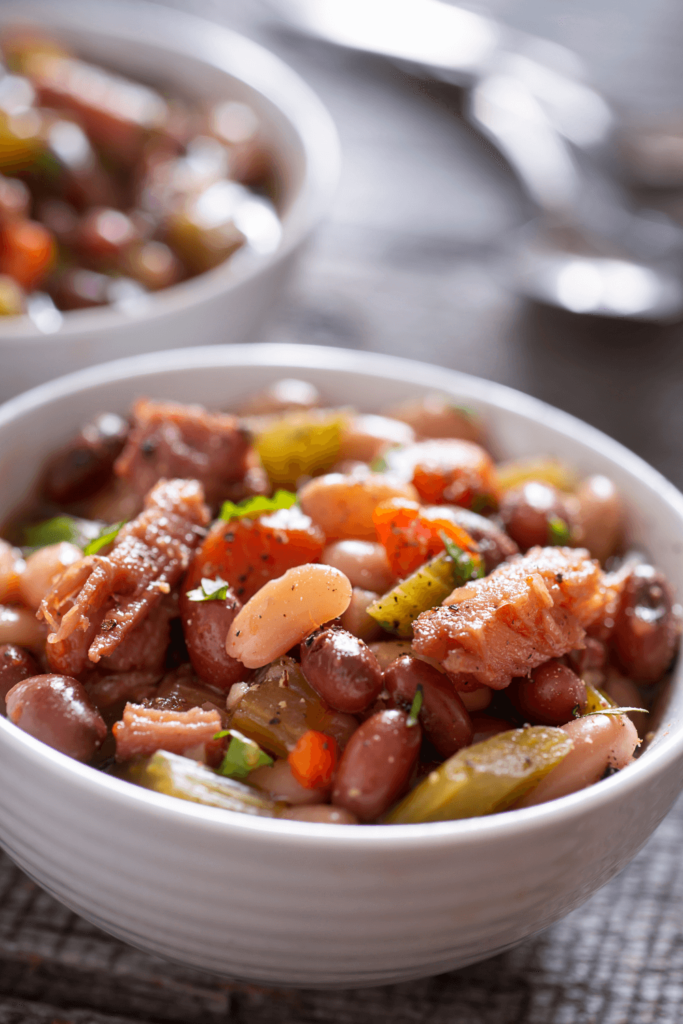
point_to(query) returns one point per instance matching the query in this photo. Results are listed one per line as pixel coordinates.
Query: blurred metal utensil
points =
(585, 251)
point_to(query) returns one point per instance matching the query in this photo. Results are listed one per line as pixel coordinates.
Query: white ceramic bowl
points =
(301, 904)
(198, 59)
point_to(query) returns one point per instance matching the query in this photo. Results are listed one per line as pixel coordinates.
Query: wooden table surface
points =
(410, 263)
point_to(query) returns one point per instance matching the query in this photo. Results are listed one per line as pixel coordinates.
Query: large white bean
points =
(286, 610)
(600, 741)
(11, 568)
(42, 569)
(277, 780)
(20, 626)
(342, 505)
(356, 618)
(600, 516)
(364, 562)
(366, 437)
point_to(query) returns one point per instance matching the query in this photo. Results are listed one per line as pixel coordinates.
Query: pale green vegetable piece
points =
(190, 780)
(485, 778)
(300, 444)
(425, 588)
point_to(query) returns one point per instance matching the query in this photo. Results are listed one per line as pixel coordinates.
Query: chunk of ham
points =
(142, 731)
(528, 610)
(97, 602)
(172, 440)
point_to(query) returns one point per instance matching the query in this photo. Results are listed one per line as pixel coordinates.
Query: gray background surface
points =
(410, 263)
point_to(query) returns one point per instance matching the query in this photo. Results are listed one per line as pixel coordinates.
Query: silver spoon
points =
(585, 251)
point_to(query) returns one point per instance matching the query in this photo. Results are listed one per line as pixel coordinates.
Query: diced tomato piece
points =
(449, 471)
(27, 250)
(411, 533)
(314, 759)
(246, 553)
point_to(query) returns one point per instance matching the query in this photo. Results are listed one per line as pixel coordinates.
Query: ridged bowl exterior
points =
(298, 904)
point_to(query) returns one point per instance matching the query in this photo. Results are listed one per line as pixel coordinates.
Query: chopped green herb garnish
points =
(108, 535)
(257, 505)
(415, 707)
(210, 590)
(576, 711)
(469, 566)
(613, 711)
(379, 464)
(558, 531)
(242, 755)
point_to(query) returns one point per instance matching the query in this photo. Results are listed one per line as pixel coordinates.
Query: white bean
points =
(366, 437)
(356, 618)
(600, 741)
(20, 626)
(321, 814)
(278, 781)
(600, 516)
(365, 563)
(43, 567)
(286, 610)
(437, 415)
(342, 506)
(11, 567)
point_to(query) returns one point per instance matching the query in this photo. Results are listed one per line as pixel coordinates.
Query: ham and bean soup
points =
(309, 613)
(111, 189)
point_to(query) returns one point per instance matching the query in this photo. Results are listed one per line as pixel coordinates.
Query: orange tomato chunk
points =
(26, 252)
(412, 534)
(247, 553)
(314, 759)
(448, 471)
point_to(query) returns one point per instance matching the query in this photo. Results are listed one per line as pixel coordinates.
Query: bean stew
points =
(310, 613)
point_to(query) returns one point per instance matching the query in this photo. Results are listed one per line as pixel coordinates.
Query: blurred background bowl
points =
(314, 905)
(196, 59)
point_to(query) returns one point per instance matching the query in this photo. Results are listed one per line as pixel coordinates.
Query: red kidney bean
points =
(58, 711)
(549, 695)
(205, 627)
(15, 664)
(646, 628)
(527, 512)
(443, 715)
(493, 543)
(486, 726)
(86, 464)
(341, 668)
(376, 766)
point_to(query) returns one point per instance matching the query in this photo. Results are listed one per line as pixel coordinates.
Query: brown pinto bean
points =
(205, 627)
(376, 766)
(646, 628)
(86, 464)
(15, 664)
(58, 711)
(341, 668)
(443, 715)
(549, 695)
(527, 512)
(493, 543)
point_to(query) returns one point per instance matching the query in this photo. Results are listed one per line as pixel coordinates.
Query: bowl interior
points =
(35, 424)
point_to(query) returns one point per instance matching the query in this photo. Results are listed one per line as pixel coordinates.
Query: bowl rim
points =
(277, 357)
(236, 56)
